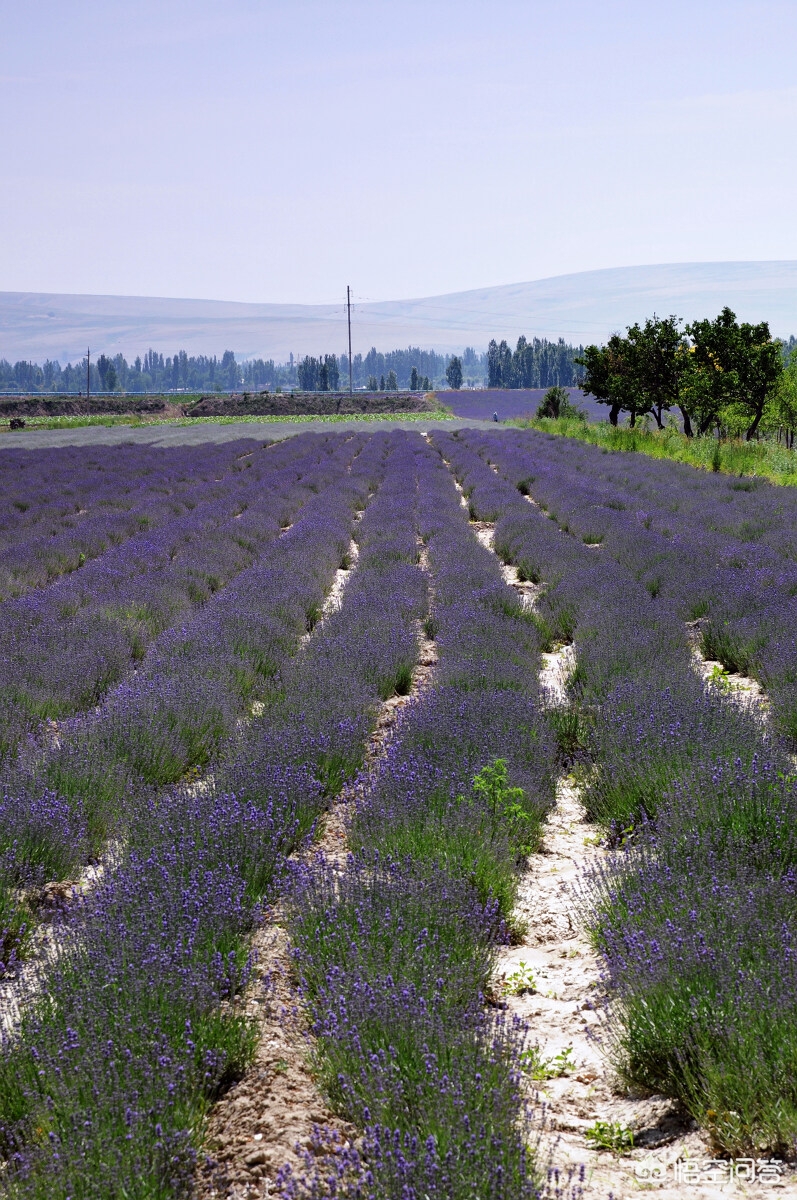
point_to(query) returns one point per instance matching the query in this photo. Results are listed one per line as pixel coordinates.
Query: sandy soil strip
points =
(255, 1128)
(27, 978)
(552, 981)
(741, 686)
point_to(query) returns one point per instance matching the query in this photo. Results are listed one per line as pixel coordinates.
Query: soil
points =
(263, 404)
(266, 1120)
(551, 979)
(78, 406)
(284, 404)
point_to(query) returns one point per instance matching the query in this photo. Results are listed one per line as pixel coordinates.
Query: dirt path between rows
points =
(256, 1127)
(552, 981)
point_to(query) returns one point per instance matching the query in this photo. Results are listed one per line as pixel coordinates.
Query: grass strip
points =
(730, 456)
(78, 422)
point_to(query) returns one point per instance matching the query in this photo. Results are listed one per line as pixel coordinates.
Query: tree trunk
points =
(614, 413)
(657, 415)
(752, 431)
(632, 422)
(687, 421)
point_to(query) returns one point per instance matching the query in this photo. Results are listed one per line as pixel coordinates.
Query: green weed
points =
(610, 1135)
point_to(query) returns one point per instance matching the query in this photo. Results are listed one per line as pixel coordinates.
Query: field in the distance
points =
(435, 753)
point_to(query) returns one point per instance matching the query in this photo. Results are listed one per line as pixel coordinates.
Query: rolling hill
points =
(581, 307)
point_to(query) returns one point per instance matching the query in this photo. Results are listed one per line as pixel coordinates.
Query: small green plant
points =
(504, 805)
(540, 1069)
(521, 981)
(610, 1135)
(719, 678)
(700, 608)
(312, 616)
(571, 729)
(404, 679)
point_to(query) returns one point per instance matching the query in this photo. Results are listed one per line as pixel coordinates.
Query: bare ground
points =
(258, 1126)
(552, 981)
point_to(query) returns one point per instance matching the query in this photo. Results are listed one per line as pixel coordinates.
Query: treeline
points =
(719, 374)
(534, 364)
(153, 373)
(411, 368)
(538, 363)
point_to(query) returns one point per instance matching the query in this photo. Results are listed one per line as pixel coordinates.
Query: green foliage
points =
(728, 374)
(769, 459)
(571, 726)
(738, 367)
(556, 403)
(535, 363)
(539, 1069)
(521, 981)
(454, 373)
(480, 837)
(610, 1135)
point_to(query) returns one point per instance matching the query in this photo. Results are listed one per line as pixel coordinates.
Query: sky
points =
(278, 150)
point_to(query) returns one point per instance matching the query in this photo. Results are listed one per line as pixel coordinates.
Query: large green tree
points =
(738, 365)
(454, 373)
(611, 377)
(657, 353)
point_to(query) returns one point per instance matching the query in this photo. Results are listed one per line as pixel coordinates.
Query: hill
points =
(581, 307)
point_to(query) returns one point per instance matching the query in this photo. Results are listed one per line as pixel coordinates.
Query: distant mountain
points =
(584, 307)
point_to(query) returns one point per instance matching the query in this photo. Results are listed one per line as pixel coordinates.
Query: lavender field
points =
(292, 735)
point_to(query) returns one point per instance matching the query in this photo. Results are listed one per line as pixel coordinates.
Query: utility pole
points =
(348, 311)
(88, 373)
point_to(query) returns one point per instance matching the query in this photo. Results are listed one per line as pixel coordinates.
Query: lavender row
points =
(63, 801)
(395, 952)
(46, 487)
(694, 915)
(64, 647)
(138, 997)
(720, 552)
(61, 508)
(638, 710)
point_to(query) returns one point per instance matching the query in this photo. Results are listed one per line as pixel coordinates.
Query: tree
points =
(323, 376)
(610, 377)
(307, 372)
(499, 365)
(493, 365)
(712, 381)
(785, 407)
(104, 365)
(658, 354)
(392, 382)
(333, 371)
(230, 371)
(414, 379)
(454, 373)
(371, 385)
(741, 367)
(556, 403)
(381, 383)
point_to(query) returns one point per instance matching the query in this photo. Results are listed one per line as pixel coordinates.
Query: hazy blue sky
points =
(270, 150)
